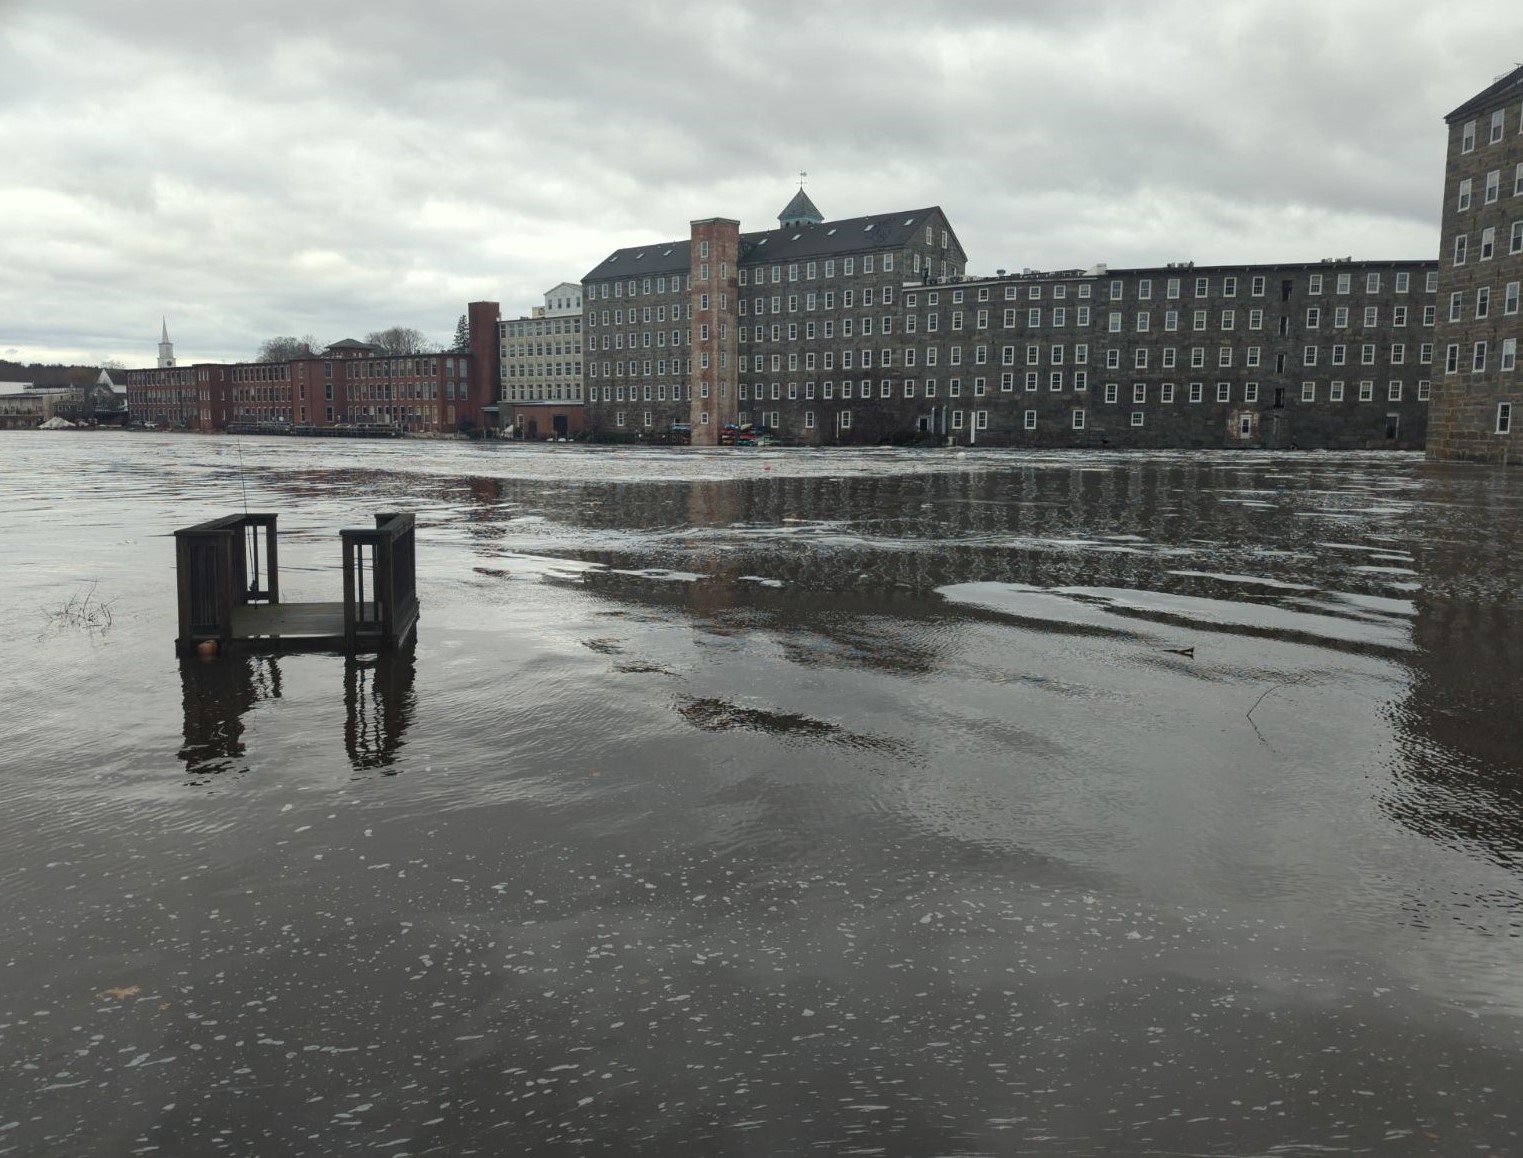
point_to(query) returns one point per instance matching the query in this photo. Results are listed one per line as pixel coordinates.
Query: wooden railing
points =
(222, 564)
(380, 583)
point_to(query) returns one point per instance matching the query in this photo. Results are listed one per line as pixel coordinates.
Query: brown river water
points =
(769, 803)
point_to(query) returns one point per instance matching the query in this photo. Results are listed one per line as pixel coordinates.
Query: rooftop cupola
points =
(800, 211)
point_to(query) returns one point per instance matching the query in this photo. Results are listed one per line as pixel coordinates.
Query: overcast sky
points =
(328, 167)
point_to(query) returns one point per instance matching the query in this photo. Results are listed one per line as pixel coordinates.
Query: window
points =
(1138, 417)
(1253, 356)
(1497, 119)
(1371, 315)
(1510, 298)
(1313, 317)
(1515, 242)
(1078, 420)
(1461, 246)
(1197, 391)
(1478, 358)
(1345, 282)
(1462, 202)
(1452, 358)
(1112, 391)
(1202, 289)
(1144, 320)
(1140, 358)
(1393, 392)
(1335, 391)
(1224, 391)
(1028, 419)
(1250, 392)
(1488, 242)
(1314, 284)
(1139, 392)
(1493, 185)
(1424, 390)
(1398, 353)
(1483, 301)
(1504, 417)
(1308, 391)
(1425, 354)
(1467, 137)
(1255, 319)
(1166, 392)
(1309, 356)
(1114, 322)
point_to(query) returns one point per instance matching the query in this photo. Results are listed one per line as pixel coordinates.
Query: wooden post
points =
(272, 561)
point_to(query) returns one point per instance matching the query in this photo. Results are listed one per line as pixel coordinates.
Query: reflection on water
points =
(218, 694)
(883, 802)
(378, 705)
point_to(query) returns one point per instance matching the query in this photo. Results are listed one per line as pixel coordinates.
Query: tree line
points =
(394, 342)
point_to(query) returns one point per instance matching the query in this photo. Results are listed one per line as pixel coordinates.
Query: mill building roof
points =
(1499, 92)
(786, 243)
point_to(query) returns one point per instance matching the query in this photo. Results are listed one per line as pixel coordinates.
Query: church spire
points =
(166, 347)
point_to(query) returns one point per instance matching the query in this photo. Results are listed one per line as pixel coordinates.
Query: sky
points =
(331, 168)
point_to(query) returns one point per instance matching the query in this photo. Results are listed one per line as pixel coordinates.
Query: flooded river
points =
(769, 803)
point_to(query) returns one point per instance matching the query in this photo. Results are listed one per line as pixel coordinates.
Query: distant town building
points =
(1477, 397)
(349, 383)
(542, 387)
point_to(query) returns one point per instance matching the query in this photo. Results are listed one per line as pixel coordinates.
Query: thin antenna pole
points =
(242, 480)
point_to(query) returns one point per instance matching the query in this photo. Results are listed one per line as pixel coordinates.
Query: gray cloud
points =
(291, 167)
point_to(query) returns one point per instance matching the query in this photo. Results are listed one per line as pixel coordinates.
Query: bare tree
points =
(285, 349)
(400, 340)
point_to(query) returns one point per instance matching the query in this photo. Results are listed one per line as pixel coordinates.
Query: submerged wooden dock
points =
(229, 589)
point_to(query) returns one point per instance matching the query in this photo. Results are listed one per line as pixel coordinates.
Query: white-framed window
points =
(1028, 420)
(1309, 356)
(843, 419)
(1452, 358)
(1424, 390)
(1112, 391)
(1509, 354)
(1197, 391)
(1314, 284)
(957, 420)
(1250, 391)
(1493, 185)
(1478, 358)
(1504, 418)
(1398, 353)
(1308, 391)
(1335, 390)
(1497, 120)
(1366, 391)
(1457, 306)
(1139, 392)
(1510, 297)
(1166, 392)
(1078, 420)
(1488, 242)
(1345, 282)
(1483, 301)
(1313, 317)
(1515, 240)
(1462, 201)
(1461, 249)
(1467, 137)
(1138, 417)
(1224, 391)
(980, 420)
(1393, 391)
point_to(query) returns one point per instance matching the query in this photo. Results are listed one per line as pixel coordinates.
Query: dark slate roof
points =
(800, 209)
(644, 260)
(351, 344)
(1498, 93)
(831, 238)
(788, 243)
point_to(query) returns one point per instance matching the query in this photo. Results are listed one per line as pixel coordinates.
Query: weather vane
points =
(802, 175)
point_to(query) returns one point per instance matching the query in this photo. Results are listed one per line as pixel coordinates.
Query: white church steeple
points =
(166, 348)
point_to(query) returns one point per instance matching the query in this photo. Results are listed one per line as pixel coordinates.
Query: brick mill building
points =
(349, 383)
(1476, 404)
(868, 330)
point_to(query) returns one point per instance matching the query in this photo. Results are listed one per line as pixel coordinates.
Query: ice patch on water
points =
(1128, 610)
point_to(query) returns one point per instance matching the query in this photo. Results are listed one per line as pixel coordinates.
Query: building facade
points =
(868, 330)
(687, 335)
(542, 387)
(1476, 407)
(349, 383)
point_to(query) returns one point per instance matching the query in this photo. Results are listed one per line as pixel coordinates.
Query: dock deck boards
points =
(291, 624)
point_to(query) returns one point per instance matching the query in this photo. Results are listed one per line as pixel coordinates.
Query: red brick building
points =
(349, 383)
